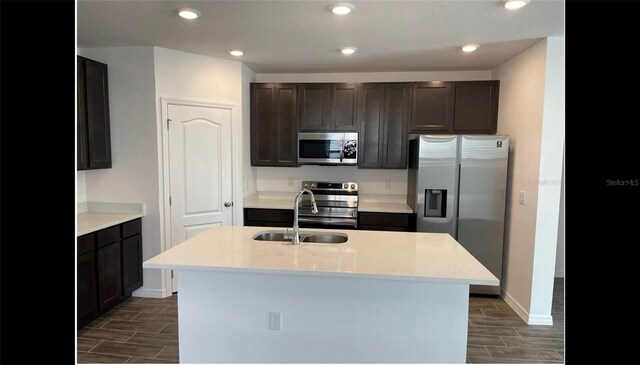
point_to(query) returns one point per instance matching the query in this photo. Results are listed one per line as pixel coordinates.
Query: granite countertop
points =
(433, 257)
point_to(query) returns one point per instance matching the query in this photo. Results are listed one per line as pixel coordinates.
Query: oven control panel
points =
(350, 186)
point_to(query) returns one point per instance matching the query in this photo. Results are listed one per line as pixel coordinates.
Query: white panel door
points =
(200, 173)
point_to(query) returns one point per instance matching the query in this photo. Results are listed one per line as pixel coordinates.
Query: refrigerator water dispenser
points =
(435, 203)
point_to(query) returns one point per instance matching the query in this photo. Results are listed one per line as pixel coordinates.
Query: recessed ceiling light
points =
(236, 52)
(470, 48)
(188, 13)
(348, 50)
(515, 4)
(342, 8)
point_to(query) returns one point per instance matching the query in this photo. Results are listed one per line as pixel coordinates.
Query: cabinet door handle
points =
(228, 204)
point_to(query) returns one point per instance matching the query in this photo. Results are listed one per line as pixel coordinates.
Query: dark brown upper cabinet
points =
(344, 107)
(370, 116)
(83, 148)
(383, 119)
(328, 107)
(274, 125)
(432, 107)
(314, 103)
(476, 106)
(94, 138)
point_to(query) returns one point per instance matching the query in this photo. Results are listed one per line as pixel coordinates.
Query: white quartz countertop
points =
(94, 216)
(434, 257)
(90, 221)
(384, 207)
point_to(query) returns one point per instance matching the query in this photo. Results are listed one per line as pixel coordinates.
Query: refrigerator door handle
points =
(458, 195)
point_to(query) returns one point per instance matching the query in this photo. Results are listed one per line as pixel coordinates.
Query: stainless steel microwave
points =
(328, 148)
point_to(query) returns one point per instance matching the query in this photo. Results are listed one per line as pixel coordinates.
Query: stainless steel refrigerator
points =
(457, 185)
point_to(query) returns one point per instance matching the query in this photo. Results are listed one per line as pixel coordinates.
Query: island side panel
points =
(224, 318)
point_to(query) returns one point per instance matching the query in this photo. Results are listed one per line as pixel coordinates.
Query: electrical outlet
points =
(275, 320)
(522, 193)
(290, 181)
(387, 183)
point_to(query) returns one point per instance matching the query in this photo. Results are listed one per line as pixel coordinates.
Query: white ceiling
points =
(303, 36)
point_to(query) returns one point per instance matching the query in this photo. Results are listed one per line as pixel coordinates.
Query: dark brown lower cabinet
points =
(109, 276)
(87, 288)
(264, 217)
(268, 217)
(387, 221)
(109, 268)
(131, 264)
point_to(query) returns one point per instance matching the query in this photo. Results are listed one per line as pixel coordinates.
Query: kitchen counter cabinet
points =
(386, 221)
(377, 215)
(87, 281)
(268, 217)
(109, 276)
(391, 284)
(109, 268)
(131, 256)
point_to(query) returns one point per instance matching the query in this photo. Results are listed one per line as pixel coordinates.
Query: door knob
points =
(228, 204)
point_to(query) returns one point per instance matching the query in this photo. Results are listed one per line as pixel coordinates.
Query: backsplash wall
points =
(372, 181)
(81, 190)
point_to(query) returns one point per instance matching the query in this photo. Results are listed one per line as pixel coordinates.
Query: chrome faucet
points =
(314, 209)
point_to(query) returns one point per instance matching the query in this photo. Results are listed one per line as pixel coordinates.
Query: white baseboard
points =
(532, 319)
(515, 305)
(540, 320)
(151, 293)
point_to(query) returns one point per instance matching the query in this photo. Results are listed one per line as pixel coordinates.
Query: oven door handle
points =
(341, 148)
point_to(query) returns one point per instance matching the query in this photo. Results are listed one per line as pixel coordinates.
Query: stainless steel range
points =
(337, 205)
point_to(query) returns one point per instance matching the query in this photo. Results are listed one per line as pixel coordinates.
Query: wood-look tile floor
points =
(498, 335)
(139, 330)
(145, 330)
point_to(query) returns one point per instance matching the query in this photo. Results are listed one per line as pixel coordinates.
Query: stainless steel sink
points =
(271, 236)
(325, 238)
(307, 237)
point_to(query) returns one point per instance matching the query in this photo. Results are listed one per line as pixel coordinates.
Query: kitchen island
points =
(399, 297)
